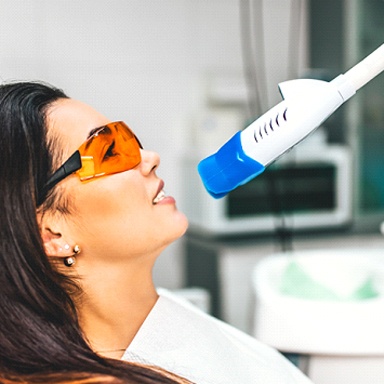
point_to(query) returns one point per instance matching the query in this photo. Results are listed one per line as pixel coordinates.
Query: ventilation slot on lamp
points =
(269, 127)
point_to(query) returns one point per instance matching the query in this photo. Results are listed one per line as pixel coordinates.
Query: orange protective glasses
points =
(112, 148)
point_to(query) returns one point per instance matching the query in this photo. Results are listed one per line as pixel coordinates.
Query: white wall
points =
(141, 61)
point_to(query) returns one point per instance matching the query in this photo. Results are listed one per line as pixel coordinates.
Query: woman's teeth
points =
(159, 197)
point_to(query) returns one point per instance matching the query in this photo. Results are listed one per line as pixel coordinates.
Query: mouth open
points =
(160, 196)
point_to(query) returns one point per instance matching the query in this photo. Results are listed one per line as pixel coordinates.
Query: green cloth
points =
(296, 282)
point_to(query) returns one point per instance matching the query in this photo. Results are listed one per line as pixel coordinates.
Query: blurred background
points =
(186, 75)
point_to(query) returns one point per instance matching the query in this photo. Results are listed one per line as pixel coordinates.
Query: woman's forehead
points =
(72, 120)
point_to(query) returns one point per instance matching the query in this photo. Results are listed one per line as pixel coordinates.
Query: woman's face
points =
(115, 216)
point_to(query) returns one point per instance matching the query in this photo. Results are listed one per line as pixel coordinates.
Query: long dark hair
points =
(40, 336)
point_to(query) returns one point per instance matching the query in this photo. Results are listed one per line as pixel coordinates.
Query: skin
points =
(119, 230)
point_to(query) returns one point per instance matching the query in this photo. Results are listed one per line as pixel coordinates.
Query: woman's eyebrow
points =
(93, 131)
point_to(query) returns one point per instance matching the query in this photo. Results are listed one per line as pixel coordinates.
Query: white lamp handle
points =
(367, 69)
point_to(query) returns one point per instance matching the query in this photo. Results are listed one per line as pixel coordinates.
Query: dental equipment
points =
(306, 104)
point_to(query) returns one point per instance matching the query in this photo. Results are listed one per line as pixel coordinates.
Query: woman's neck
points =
(115, 302)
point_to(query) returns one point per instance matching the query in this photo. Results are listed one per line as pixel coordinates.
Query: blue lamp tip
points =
(228, 168)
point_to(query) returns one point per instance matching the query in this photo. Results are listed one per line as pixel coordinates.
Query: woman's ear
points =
(54, 243)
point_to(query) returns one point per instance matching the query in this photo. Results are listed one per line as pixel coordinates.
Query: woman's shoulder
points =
(180, 307)
(184, 339)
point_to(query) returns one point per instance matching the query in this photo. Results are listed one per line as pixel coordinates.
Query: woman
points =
(85, 217)
(41, 338)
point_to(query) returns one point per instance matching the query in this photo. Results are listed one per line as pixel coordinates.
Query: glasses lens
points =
(112, 149)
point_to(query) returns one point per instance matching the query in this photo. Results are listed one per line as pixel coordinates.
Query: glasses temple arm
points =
(72, 165)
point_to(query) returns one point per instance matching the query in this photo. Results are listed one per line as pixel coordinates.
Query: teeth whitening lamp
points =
(307, 103)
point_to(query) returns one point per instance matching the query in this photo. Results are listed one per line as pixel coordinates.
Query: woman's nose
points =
(149, 161)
